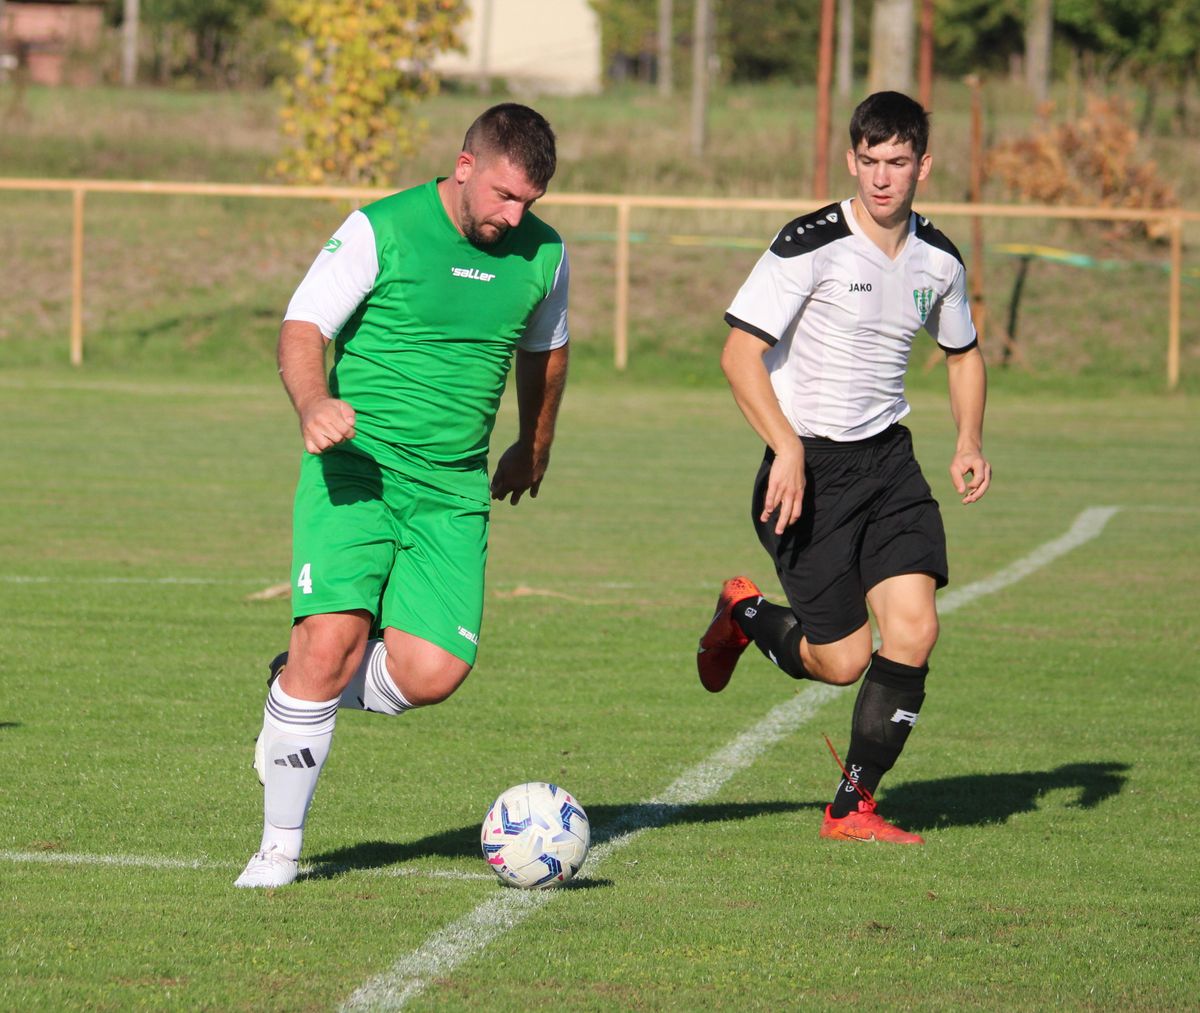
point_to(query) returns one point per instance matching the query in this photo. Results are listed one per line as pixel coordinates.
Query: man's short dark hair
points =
(888, 114)
(520, 134)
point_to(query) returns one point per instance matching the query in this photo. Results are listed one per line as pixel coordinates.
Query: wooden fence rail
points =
(1172, 219)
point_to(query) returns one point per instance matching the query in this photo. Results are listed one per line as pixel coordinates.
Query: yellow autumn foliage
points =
(360, 70)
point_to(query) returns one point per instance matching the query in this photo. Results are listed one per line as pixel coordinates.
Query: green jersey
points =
(426, 324)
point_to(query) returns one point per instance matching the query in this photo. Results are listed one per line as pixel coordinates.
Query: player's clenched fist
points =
(327, 423)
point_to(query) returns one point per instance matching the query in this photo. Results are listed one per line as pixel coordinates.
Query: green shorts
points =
(367, 537)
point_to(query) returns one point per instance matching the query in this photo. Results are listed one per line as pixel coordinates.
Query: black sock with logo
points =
(775, 631)
(889, 701)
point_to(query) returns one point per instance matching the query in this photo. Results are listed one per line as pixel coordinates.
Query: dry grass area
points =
(202, 281)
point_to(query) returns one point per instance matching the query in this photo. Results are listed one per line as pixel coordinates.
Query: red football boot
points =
(724, 641)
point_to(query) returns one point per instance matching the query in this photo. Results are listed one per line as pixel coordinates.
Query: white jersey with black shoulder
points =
(840, 317)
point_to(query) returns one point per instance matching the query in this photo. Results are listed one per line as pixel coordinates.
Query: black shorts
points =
(868, 514)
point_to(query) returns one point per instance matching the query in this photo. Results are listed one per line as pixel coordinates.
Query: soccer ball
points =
(535, 836)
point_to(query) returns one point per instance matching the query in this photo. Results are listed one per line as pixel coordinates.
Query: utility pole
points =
(820, 187)
(925, 57)
(701, 43)
(666, 46)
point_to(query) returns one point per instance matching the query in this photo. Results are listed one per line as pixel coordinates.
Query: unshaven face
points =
(495, 196)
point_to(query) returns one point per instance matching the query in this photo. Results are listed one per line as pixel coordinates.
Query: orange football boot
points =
(865, 826)
(724, 641)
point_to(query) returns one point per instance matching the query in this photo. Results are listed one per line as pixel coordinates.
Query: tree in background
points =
(1154, 41)
(892, 45)
(978, 36)
(761, 41)
(628, 36)
(207, 42)
(361, 65)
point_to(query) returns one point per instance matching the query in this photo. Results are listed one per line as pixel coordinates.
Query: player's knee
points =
(913, 643)
(321, 661)
(429, 683)
(845, 674)
(842, 669)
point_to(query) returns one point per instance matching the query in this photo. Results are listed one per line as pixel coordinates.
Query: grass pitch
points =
(1050, 773)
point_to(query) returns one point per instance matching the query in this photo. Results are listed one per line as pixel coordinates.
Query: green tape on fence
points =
(1049, 253)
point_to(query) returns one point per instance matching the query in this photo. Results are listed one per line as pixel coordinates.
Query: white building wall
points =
(543, 46)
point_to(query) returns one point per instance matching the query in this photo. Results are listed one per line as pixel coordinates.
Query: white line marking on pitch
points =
(9, 578)
(161, 862)
(1086, 527)
(457, 942)
(450, 946)
(143, 861)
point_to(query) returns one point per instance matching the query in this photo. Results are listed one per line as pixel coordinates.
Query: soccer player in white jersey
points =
(821, 335)
(427, 295)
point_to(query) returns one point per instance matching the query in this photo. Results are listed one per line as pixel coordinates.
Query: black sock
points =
(775, 631)
(889, 701)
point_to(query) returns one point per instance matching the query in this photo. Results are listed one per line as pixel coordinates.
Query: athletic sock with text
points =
(775, 631)
(885, 712)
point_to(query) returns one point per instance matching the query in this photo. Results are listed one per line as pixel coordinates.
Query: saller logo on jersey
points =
(471, 272)
(923, 297)
(332, 246)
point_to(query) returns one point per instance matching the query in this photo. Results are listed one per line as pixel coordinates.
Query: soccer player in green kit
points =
(427, 296)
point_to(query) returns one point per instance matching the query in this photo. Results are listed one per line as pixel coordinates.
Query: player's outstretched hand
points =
(325, 424)
(518, 471)
(971, 474)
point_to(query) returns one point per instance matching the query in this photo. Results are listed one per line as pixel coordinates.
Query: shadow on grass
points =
(607, 821)
(969, 800)
(981, 799)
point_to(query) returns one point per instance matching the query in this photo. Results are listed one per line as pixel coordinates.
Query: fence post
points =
(77, 278)
(1173, 302)
(621, 322)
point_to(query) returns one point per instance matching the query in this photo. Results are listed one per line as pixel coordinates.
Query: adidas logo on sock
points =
(301, 759)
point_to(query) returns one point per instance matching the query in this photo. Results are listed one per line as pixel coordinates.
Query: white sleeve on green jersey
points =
(547, 326)
(340, 278)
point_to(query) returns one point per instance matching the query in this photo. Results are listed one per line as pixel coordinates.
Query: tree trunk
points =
(130, 29)
(892, 32)
(845, 48)
(666, 46)
(1039, 33)
(701, 36)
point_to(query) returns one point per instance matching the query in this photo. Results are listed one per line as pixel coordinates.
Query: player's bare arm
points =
(324, 420)
(969, 469)
(742, 363)
(540, 379)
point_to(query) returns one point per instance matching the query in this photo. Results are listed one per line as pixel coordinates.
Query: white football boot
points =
(269, 868)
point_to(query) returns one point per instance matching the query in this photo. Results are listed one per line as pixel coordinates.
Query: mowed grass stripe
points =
(476, 931)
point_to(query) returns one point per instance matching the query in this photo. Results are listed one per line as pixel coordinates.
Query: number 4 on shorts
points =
(304, 580)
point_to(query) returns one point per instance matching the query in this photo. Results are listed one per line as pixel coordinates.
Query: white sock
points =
(371, 688)
(296, 739)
